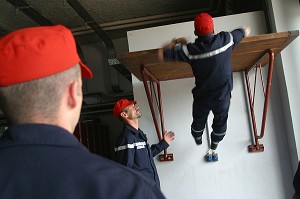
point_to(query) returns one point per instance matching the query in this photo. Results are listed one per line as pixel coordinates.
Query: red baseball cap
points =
(120, 105)
(32, 53)
(204, 24)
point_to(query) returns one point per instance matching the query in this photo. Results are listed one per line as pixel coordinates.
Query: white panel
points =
(151, 38)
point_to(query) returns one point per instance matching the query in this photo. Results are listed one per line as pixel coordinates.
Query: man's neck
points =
(133, 123)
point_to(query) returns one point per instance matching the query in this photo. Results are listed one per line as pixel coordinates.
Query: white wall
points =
(238, 173)
(285, 15)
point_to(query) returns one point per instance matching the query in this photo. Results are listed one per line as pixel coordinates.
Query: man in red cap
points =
(41, 96)
(132, 148)
(210, 59)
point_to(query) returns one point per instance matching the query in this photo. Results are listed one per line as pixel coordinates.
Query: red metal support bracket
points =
(147, 76)
(256, 147)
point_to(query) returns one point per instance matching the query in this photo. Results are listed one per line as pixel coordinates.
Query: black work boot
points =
(198, 140)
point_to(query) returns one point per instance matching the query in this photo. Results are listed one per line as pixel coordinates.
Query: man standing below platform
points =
(210, 59)
(132, 147)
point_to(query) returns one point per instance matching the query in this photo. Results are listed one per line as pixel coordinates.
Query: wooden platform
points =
(246, 53)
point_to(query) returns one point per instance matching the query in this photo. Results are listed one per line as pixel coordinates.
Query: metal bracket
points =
(256, 147)
(147, 76)
(167, 157)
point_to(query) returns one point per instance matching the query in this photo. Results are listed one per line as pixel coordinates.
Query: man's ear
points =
(73, 94)
(123, 114)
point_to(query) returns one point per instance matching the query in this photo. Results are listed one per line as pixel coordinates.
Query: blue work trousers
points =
(201, 109)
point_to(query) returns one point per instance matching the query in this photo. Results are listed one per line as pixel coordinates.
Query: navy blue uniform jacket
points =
(132, 149)
(43, 161)
(210, 58)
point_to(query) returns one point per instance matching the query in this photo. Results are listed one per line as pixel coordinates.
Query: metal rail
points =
(147, 76)
(256, 147)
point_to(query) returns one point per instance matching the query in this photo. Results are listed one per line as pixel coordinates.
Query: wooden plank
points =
(250, 49)
(246, 53)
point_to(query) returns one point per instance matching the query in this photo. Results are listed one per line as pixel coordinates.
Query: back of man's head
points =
(203, 24)
(35, 65)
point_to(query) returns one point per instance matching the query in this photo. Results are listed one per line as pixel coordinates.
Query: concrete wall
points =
(285, 15)
(238, 173)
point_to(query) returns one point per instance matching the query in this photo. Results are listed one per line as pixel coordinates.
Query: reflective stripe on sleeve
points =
(138, 145)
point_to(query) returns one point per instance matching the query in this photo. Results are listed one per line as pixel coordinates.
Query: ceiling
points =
(111, 19)
(115, 17)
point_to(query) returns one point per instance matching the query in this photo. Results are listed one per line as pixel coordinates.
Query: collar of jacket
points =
(38, 134)
(136, 132)
(202, 38)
